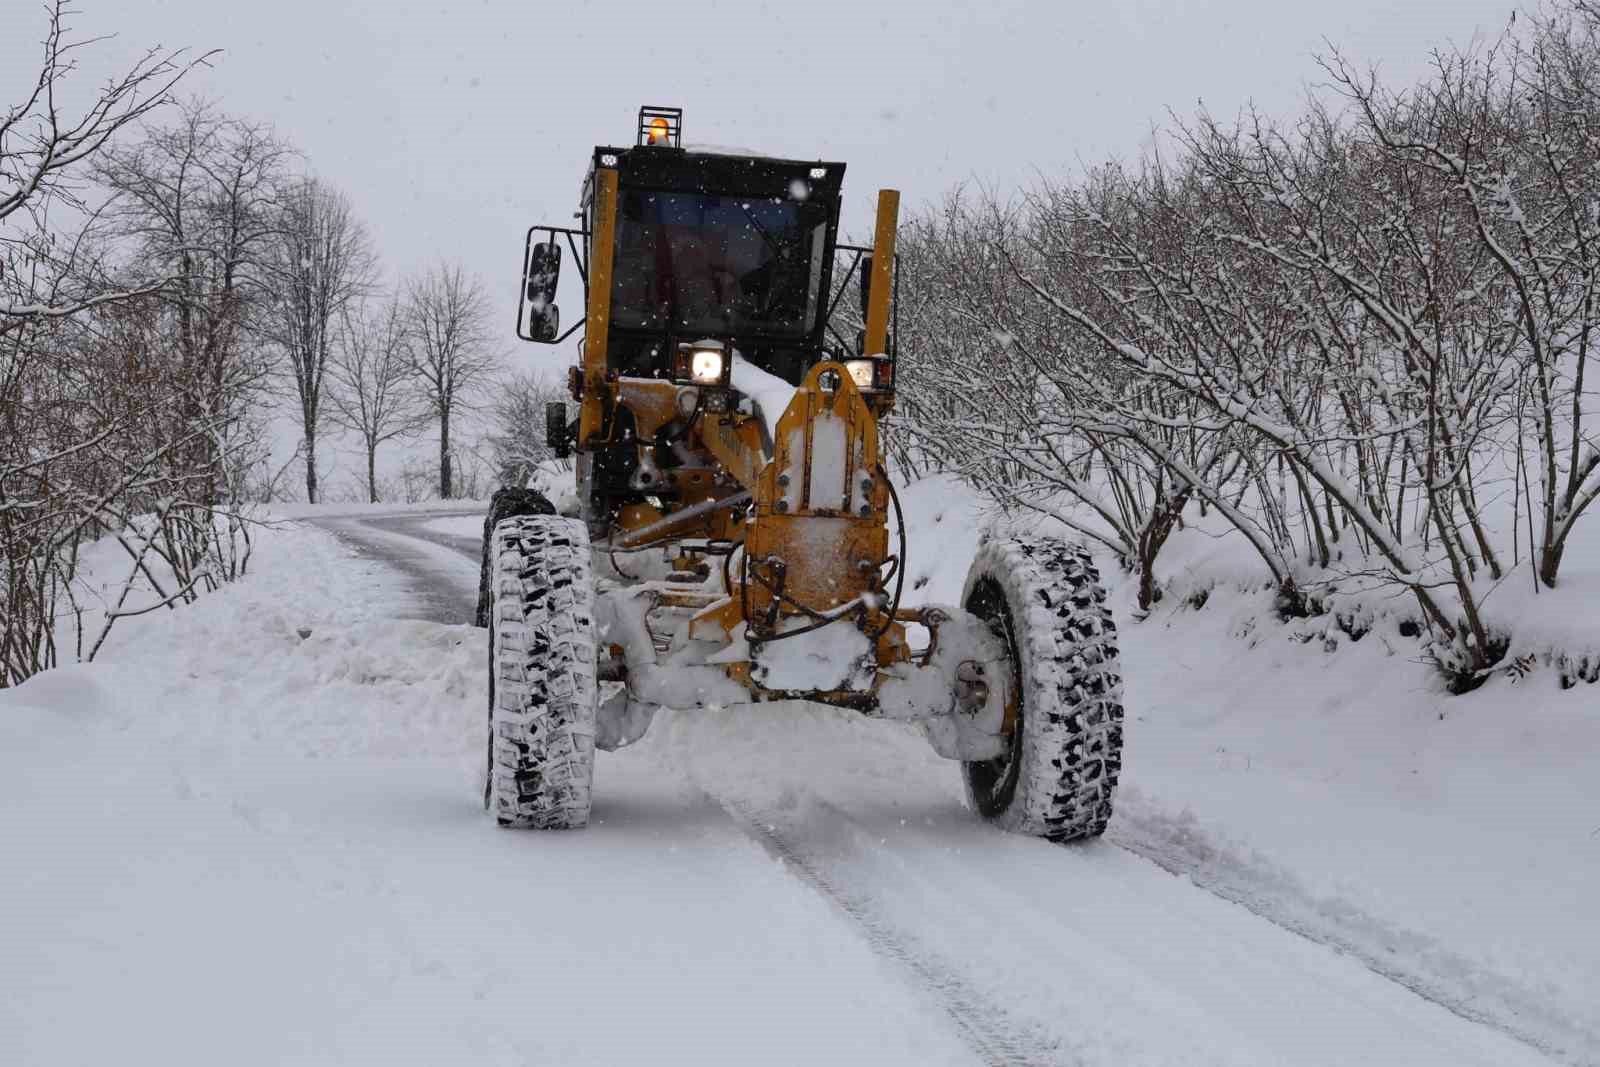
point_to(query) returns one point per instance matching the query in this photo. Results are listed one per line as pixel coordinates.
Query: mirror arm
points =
(844, 287)
(570, 331)
(577, 258)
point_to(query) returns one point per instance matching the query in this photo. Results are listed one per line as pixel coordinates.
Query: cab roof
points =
(717, 171)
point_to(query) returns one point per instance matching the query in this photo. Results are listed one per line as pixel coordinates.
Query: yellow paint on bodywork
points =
(882, 283)
(654, 403)
(634, 516)
(718, 621)
(827, 528)
(830, 554)
(736, 442)
(597, 325)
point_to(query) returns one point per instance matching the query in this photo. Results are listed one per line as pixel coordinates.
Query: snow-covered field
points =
(252, 834)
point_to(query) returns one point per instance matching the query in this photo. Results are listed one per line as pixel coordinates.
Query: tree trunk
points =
(311, 469)
(444, 456)
(372, 472)
(1550, 562)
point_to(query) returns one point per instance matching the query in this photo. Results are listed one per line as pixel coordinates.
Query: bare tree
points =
(137, 388)
(374, 392)
(200, 196)
(45, 152)
(322, 264)
(447, 321)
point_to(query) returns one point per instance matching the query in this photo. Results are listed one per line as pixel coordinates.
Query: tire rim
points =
(994, 782)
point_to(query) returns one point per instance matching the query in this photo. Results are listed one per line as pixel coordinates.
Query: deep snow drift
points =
(253, 835)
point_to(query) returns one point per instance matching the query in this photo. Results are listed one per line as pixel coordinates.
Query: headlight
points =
(860, 372)
(705, 366)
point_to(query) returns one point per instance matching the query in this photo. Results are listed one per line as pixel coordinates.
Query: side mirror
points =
(540, 276)
(555, 429)
(866, 283)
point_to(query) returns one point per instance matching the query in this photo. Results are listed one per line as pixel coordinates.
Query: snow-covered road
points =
(253, 836)
(438, 566)
(932, 937)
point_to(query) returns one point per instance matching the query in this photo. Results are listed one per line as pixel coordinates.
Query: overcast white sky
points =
(456, 125)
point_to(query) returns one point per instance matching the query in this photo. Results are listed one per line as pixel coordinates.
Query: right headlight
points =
(861, 372)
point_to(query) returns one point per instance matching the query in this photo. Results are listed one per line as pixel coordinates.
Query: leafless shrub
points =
(1361, 339)
(517, 441)
(88, 443)
(132, 273)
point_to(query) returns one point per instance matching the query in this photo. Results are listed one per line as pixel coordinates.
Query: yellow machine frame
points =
(814, 549)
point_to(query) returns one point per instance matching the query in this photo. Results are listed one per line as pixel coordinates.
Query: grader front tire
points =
(1059, 776)
(543, 690)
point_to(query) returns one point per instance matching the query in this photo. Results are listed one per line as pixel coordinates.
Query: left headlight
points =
(705, 366)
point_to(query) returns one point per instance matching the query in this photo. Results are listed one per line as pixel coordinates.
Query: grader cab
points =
(729, 539)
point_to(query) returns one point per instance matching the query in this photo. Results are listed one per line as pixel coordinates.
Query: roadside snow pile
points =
(1554, 632)
(1452, 842)
(292, 660)
(297, 656)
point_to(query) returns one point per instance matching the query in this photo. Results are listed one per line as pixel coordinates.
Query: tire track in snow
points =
(1290, 907)
(993, 1038)
(979, 1024)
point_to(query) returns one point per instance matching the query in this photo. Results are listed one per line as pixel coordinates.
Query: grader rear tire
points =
(543, 690)
(1057, 781)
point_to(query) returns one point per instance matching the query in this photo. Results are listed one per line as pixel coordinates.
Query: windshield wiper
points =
(762, 230)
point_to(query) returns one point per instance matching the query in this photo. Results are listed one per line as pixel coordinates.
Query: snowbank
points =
(292, 510)
(1451, 841)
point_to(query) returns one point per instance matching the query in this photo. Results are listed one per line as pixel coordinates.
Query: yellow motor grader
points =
(729, 538)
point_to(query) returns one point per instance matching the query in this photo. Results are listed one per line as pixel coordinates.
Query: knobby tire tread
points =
(1071, 679)
(543, 691)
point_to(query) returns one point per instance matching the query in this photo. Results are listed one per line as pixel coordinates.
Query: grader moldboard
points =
(729, 539)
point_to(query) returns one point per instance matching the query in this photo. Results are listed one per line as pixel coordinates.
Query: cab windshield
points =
(699, 263)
